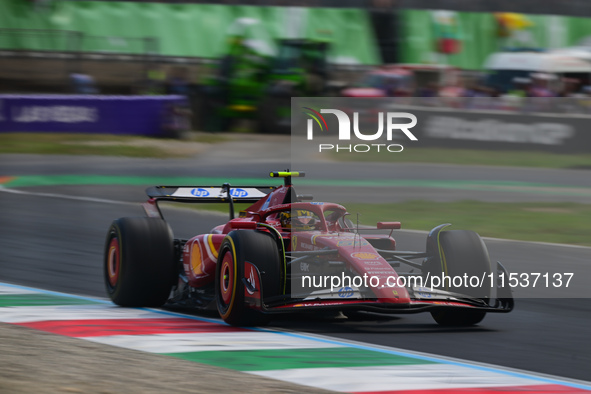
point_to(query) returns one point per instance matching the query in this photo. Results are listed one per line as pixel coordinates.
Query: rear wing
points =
(203, 194)
(210, 194)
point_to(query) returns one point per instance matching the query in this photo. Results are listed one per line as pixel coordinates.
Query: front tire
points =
(139, 262)
(462, 252)
(259, 249)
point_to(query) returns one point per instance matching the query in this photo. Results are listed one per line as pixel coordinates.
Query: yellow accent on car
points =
(285, 174)
(231, 305)
(211, 247)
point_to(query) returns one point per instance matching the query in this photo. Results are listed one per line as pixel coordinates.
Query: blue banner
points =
(129, 115)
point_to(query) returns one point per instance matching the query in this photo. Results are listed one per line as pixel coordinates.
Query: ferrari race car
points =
(286, 253)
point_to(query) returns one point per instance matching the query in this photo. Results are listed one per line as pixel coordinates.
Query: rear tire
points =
(139, 266)
(462, 253)
(238, 247)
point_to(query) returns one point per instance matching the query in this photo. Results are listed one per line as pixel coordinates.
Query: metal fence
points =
(69, 41)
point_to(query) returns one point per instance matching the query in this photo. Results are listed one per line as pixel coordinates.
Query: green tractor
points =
(253, 81)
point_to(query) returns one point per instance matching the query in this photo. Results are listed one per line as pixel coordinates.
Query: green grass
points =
(131, 146)
(94, 144)
(472, 157)
(567, 223)
(545, 222)
(207, 138)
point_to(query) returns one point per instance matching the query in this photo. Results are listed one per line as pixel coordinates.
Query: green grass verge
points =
(473, 157)
(545, 222)
(567, 223)
(95, 144)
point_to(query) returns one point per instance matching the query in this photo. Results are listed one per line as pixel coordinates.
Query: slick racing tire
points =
(462, 253)
(139, 266)
(259, 249)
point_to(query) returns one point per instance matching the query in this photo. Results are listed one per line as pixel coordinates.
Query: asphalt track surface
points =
(56, 243)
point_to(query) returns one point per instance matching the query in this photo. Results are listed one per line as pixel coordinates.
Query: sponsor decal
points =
(423, 292)
(196, 260)
(307, 246)
(54, 113)
(238, 193)
(267, 202)
(217, 192)
(365, 256)
(200, 192)
(372, 263)
(352, 242)
(446, 303)
(346, 292)
(320, 303)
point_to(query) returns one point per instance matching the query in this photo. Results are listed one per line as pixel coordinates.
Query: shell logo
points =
(196, 259)
(365, 256)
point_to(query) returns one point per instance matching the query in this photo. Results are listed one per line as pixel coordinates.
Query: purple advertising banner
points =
(132, 115)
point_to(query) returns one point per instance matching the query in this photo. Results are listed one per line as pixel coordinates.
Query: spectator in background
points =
(585, 98)
(82, 84)
(541, 93)
(179, 82)
(176, 119)
(428, 95)
(574, 101)
(156, 80)
(430, 90)
(521, 87)
(570, 87)
(515, 98)
(479, 95)
(476, 89)
(453, 95)
(541, 85)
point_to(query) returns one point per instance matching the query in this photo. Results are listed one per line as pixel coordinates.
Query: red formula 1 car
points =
(286, 253)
